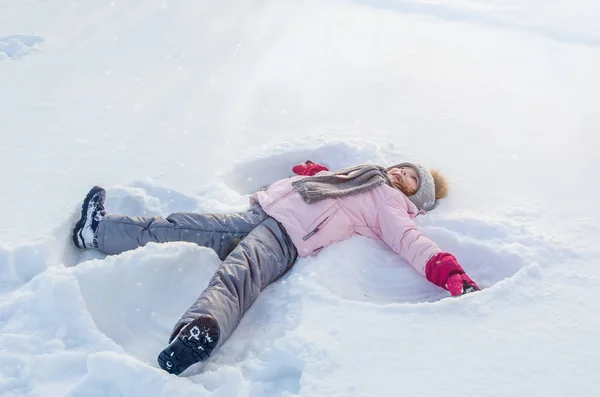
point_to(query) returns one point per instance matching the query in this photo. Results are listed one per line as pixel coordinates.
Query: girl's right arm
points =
(399, 231)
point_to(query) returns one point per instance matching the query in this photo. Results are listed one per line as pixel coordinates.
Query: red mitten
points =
(444, 271)
(460, 284)
(308, 168)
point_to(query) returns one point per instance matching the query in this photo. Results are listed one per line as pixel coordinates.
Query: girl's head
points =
(405, 179)
(422, 187)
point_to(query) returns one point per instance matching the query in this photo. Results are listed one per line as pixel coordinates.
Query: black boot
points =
(195, 342)
(92, 210)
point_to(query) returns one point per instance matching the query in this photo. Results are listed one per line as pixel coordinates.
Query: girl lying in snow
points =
(294, 217)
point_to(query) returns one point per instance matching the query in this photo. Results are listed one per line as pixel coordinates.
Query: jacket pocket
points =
(321, 222)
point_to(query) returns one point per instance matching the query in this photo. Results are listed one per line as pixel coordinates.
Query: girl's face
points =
(405, 178)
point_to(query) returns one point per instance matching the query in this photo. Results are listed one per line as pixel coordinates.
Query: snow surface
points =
(191, 105)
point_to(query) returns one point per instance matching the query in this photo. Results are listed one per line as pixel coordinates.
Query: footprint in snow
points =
(18, 45)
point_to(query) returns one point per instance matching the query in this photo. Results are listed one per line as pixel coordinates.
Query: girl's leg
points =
(261, 258)
(221, 232)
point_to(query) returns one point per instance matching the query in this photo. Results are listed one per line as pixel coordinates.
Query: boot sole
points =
(186, 350)
(83, 218)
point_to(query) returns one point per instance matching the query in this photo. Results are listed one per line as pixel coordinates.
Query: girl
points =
(294, 217)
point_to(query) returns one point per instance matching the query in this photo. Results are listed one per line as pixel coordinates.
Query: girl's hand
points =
(444, 270)
(460, 284)
(308, 168)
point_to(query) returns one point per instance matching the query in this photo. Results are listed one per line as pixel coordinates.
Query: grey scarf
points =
(342, 183)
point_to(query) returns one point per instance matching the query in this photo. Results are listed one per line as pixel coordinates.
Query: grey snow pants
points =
(255, 249)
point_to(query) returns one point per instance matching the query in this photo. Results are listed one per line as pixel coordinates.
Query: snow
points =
(17, 46)
(190, 106)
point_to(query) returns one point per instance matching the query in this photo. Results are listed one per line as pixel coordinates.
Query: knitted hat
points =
(424, 197)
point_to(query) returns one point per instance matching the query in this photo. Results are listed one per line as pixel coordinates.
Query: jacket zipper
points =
(315, 230)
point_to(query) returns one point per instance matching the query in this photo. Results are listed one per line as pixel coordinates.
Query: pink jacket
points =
(383, 213)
